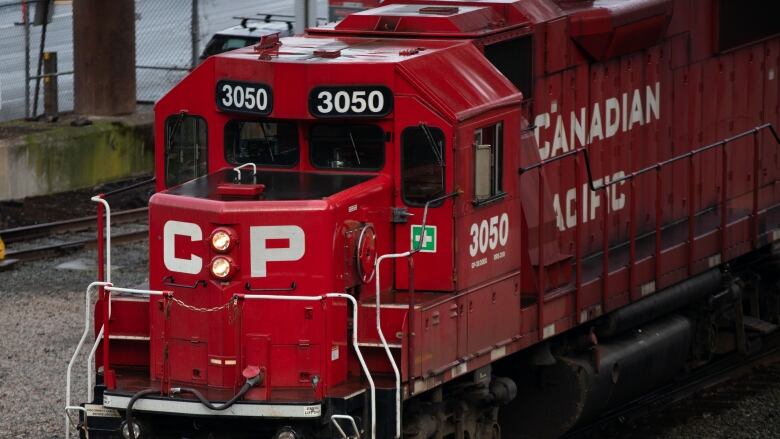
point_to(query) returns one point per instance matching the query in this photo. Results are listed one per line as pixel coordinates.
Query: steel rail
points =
(24, 233)
(51, 250)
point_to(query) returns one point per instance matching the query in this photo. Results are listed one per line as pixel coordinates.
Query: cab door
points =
(424, 173)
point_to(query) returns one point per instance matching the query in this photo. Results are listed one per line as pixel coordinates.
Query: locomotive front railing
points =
(110, 289)
(107, 288)
(99, 338)
(79, 346)
(658, 226)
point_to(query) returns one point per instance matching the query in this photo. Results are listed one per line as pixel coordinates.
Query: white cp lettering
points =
(192, 265)
(260, 254)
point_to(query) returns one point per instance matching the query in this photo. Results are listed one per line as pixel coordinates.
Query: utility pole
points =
(195, 34)
(104, 57)
(305, 15)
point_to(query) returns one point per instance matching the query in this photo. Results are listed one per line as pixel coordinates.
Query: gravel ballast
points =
(42, 319)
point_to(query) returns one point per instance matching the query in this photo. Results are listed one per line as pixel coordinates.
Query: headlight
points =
(222, 268)
(222, 240)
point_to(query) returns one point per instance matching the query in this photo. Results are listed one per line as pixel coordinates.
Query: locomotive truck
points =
(448, 219)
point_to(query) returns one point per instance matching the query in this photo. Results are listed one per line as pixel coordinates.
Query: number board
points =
(351, 101)
(244, 97)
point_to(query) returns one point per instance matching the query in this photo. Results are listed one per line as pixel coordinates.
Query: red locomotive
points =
(450, 219)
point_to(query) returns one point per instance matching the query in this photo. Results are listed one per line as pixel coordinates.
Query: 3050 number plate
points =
(244, 97)
(352, 101)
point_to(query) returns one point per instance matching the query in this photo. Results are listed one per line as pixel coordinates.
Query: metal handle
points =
(248, 287)
(169, 281)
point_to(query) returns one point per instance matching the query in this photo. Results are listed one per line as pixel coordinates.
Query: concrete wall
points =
(62, 157)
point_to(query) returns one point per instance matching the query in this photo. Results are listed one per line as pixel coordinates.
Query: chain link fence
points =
(170, 35)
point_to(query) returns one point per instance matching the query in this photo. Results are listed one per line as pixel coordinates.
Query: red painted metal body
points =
(640, 85)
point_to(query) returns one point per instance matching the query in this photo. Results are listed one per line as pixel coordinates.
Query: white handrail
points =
(384, 341)
(79, 408)
(105, 204)
(90, 362)
(341, 430)
(354, 337)
(238, 169)
(135, 291)
(84, 335)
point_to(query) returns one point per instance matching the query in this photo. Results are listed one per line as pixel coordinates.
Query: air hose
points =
(248, 384)
(129, 411)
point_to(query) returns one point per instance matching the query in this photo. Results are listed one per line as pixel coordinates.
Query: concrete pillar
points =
(104, 57)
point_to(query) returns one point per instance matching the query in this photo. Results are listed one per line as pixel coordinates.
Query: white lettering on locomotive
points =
(567, 206)
(172, 229)
(261, 251)
(489, 234)
(260, 254)
(605, 120)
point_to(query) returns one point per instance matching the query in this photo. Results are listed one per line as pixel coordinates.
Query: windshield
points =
(261, 143)
(347, 146)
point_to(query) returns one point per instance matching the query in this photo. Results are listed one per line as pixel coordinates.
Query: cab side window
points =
(422, 164)
(186, 149)
(488, 154)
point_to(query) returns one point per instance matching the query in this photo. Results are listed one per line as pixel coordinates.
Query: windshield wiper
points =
(354, 147)
(175, 129)
(432, 144)
(268, 144)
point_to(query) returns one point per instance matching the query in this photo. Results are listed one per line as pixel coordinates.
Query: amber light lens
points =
(222, 268)
(222, 240)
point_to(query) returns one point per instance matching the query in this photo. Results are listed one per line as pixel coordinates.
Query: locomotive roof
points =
(593, 24)
(444, 71)
(448, 19)
(346, 49)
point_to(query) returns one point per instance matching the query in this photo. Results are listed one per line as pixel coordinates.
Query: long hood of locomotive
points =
(285, 246)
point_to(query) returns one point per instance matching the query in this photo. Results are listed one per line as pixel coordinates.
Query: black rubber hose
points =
(129, 411)
(250, 382)
(245, 388)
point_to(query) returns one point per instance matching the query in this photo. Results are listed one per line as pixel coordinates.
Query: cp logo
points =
(259, 252)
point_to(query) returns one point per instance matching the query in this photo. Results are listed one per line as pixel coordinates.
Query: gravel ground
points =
(755, 417)
(41, 320)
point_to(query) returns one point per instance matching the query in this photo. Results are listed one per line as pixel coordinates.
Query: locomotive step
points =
(754, 324)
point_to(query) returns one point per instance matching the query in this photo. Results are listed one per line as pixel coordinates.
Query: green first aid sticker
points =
(428, 241)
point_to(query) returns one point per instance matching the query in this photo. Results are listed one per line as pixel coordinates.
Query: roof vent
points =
(439, 10)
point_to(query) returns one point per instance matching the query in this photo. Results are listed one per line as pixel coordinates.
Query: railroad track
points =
(727, 371)
(34, 231)
(27, 233)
